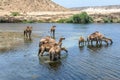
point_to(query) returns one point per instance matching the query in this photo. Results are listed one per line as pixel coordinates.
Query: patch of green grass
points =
(15, 14)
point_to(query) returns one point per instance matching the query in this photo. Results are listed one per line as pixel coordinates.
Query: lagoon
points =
(81, 63)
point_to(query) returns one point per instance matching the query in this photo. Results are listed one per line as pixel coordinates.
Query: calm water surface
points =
(84, 63)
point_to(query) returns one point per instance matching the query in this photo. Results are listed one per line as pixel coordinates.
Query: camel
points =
(81, 41)
(46, 39)
(52, 30)
(55, 52)
(45, 47)
(98, 37)
(27, 32)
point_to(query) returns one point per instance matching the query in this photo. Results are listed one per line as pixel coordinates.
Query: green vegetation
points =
(78, 18)
(107, 20)
(15, 13)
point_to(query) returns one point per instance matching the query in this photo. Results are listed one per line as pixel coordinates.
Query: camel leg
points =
(29, 35)
(59, 55)
(96, 42)
(88, 41)
(39, 51)
(91, 42)
(53, 56)
(79, 43)
(83, 43)
(54, 34)
(24, 33)
(50, 56)
(106, 42)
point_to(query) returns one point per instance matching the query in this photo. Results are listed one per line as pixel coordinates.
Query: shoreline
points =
(53, 16)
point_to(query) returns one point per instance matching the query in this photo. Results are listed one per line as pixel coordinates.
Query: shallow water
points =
(81, 63)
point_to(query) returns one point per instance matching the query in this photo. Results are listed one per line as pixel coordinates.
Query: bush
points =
(61, 21)
(107, 20)
(15, 14)
(78, 18)
(82, 18)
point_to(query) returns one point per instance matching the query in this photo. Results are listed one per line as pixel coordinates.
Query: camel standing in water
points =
(55, 52)
(98, 37)
(52, 30)
(47, 45)
(27, 32)
(81, 41)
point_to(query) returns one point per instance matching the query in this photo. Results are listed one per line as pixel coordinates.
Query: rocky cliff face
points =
(30, 5)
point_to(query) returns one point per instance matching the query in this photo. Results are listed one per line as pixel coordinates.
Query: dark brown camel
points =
(27, 32)
(52, 30)
(45, 47)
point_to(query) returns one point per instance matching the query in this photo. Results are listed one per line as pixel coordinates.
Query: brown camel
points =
(52, 30)
(96, 36)
(46, 39)
(55, 52)
(27, 32)
(81, 41)
(45, 47)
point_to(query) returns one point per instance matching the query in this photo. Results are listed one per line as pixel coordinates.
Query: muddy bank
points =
(9, 40)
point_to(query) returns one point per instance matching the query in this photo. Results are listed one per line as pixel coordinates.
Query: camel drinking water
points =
(46, 46)
(81, 41)
(98, 37)
(55, 52)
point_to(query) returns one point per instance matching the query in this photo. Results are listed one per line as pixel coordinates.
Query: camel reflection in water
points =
(55, 65)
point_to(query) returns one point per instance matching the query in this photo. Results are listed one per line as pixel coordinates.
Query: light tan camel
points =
(81, 41)
(45, 47)
(46, 39)
(52, 30)
(27, 32)
(55, 52)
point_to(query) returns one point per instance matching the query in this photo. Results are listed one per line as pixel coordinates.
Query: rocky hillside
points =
(30, 5)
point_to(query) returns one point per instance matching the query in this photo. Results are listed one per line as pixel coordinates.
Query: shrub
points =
(15, 14)
(78, 18)
(82, 18)
(107, 20)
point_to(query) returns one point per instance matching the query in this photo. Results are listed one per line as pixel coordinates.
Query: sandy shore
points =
(53, 16)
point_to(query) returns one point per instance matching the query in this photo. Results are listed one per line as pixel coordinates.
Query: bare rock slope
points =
(30, 5)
